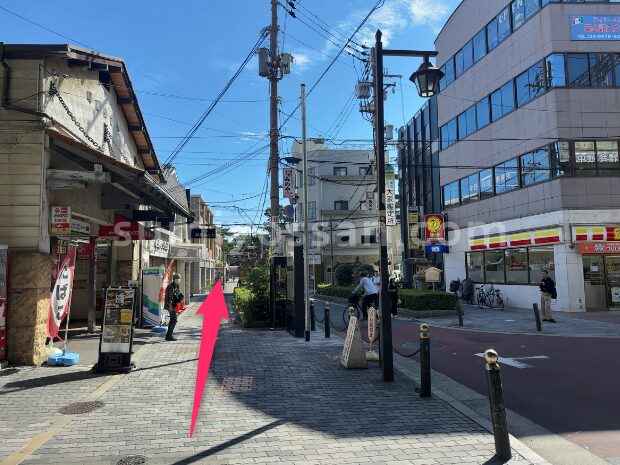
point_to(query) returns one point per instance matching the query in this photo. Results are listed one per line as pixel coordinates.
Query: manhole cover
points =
(78, 408)
(132, 460)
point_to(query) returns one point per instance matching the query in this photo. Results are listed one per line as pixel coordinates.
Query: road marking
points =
(514, 361)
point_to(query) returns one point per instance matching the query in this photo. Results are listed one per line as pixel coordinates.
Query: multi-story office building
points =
(529, 117)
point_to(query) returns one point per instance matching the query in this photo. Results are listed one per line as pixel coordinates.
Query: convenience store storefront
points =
(599, 247)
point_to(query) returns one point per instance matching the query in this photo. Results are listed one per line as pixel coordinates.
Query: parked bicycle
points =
(354, 304)
(464, 290)
(491, 298)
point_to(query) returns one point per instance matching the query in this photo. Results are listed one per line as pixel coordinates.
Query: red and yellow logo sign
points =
(435, 228)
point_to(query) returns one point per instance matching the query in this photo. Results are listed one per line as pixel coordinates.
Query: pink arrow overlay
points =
(214, 309)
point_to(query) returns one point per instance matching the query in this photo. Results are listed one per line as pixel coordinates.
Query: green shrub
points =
(411, 299)
(344, 274)
(253, 298)
(368, 269)
(414, 299)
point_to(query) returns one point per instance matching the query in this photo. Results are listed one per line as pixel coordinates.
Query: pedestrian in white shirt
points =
(371, 293)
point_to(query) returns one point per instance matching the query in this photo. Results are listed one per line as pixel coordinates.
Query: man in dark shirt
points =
(547, 292)
(171, 300)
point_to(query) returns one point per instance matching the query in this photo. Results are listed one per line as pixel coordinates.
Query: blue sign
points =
(594, 27)
(435, 249)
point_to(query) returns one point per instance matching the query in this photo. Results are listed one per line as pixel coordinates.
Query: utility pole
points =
(273, 125)
(331, 249)
(304, 151)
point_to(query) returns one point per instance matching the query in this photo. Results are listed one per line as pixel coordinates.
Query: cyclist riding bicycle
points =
(371, 293)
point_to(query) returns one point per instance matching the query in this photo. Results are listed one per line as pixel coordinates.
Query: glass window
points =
(468, 55)
(311, 176)
(585, 158)
(493, 38)
(458, 63)
(470, 117)
(480, 45)
(523, 89)
(601, 69)
(540, 258)
(518, 14)
(451, 194)
(445, 143)
(312, 210)
(531, 7)
(496, 105)
(535, 167)
(556, 74)
(365, 170)
(503, 24)
(449, 70)
(482, 112)
(341, 205)
(494, 266)
(506, 176)
(486, 183)
(536, 78)
(560, 159)
(508, 99)
(470, 188)
(607, 158)
(340, 171)
(452, 131)
(474, 266)
(462, 126)
(516, 266)
(442, 83)
(578, 75)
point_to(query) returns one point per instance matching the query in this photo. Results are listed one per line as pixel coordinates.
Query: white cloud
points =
(303, 61)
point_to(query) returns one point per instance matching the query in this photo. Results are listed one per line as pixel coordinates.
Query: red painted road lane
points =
(577, 389)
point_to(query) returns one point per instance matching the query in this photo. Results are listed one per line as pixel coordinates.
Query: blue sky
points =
(188, 50)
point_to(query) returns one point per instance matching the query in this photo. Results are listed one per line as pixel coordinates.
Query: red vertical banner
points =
(60, 299)
(3, 317)
(164, 284)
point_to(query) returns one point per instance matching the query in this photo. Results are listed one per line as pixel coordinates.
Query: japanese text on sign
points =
(390, 200)
(594, 27)
(288, 183)
(435, 228)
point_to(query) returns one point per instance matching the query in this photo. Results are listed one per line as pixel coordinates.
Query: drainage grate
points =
(78, 408)
(237, 384)
(132, 460)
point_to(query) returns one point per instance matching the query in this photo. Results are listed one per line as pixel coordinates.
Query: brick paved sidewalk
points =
(270, 398)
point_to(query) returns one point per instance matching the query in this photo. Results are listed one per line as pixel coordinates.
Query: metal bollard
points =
(425, 362)
(498, 409)
(312, 316)
(459, 312)
(537, 316)
(326, 321)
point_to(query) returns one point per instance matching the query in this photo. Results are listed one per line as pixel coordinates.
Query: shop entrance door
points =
(612, 270)
(594, 281)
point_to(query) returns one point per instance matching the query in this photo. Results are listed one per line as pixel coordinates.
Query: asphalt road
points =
(574, 391)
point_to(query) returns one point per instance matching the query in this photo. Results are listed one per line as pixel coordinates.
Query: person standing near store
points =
(172, 298)
(393, 290)
(547, 292)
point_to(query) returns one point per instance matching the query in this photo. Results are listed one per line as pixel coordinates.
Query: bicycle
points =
(354, 304)
(491, 299)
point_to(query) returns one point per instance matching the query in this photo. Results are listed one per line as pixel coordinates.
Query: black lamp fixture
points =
(292, 160)
(427, 78)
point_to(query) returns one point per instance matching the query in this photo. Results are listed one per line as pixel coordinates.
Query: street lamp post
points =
(426, 79)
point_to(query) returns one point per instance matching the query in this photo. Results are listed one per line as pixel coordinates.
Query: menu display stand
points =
(116, 340)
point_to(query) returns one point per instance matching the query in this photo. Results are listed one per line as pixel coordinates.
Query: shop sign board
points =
(78, 226)
(84, 250)
(117, 320)
(434, 225)
(440, 248)
(288, 183)
(289, 212)
(60, 298)
(124, 228)
(203, 233)
(60, 221)
(151, 306)
(599, 248)
(160, 248)
(603, 27)
(390, 200)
